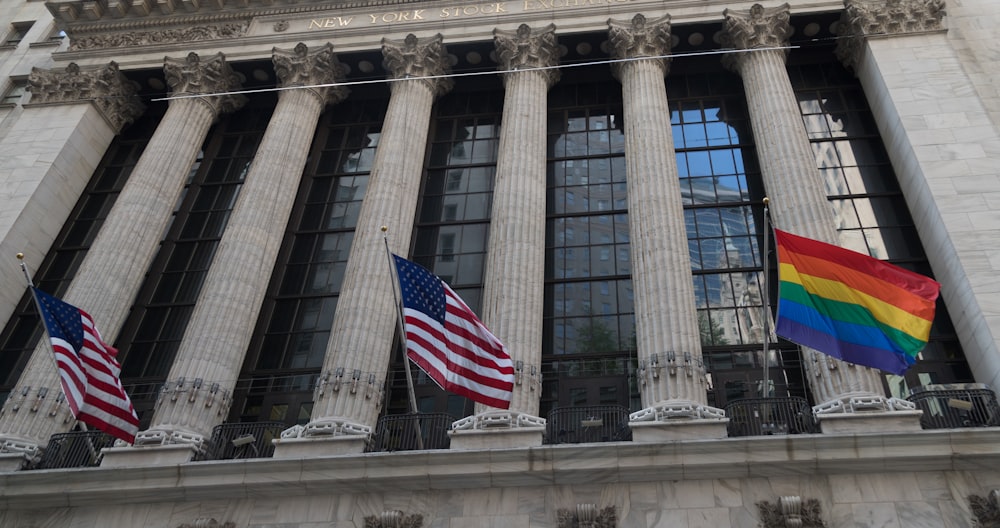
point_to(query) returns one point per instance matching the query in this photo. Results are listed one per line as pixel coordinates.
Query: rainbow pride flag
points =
(852, 306)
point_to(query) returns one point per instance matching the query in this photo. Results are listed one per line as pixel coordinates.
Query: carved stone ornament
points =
(193, 75)
(413, 57)
(163, 36)
(791, 512)
(394, 519)
(640, 38)
(103, 86)
(207, 523)
(587, 516)
(865, 18)
(316, 70)
(756, 28)
(524, 49)
(986, 509)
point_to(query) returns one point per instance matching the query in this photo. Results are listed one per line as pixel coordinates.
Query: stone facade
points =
(929, 70)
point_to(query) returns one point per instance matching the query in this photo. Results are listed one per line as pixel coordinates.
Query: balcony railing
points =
(75, 450)
(243, 440)
(770, 416)
(594, 423)
(409, 432)
(956, 406)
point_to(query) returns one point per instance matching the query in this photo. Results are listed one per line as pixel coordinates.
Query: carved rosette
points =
(986, 509)
(394, 519)
(193, 75)
(524, 49)
(640, 38)
(208, 523)
(864, 18)
(791, 512)
(413, 57)
(587, 516)
(104, 86)
(165, 36)
(754, 29)
(315, 71)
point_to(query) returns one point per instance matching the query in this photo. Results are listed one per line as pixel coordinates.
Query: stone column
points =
(939, 137)
(349, 394)
(111, 273)
(514, 284)
(671, 372)
(198, 394)
(795, 188)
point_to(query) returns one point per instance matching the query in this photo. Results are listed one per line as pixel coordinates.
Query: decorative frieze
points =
(791, 512)
(104, 86)
(163, 36)
(424, 58)
(587, 516)
(639, 38)
(394, 519)
(866, 18)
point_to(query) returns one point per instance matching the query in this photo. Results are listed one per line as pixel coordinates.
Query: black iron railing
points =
(243, 440)
(770, 416)
(956, 406)
(593, 423)
(409, 432)
(74, 450)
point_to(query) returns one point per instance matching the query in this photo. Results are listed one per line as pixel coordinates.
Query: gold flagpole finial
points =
(385, 228)
(766, 201)
(20, 256)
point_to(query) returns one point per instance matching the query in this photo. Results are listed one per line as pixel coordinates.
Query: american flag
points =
(88, 370)
(446, 339)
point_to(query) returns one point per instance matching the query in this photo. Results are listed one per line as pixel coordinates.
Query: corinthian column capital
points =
(758, 27)
(193, 75)
(314, 71)
(414, 57)
(640, 38)
(864, 18)
(525, 49)
(104, 86)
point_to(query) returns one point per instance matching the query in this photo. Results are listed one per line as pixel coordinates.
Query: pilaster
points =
(349, 395)
(111, 273)
(77, 111)
(939, 139)
(513, 291)
(794, 184)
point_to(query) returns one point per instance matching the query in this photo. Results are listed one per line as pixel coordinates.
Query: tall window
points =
(289, 343)
(871, 214)
(453, 217)
(589, 338)
(152, 334)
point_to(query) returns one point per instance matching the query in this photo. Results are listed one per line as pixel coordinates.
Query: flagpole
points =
(765, 389)
(401, 327)
(38, 308)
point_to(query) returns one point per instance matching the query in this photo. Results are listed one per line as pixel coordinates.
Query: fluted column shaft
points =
(112, 272)
(361, 340)
(788, 165)
(221, 325)
(666, 320)
(513, 290)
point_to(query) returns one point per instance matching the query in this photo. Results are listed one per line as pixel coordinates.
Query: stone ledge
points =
(750, 457)
(151, 456)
